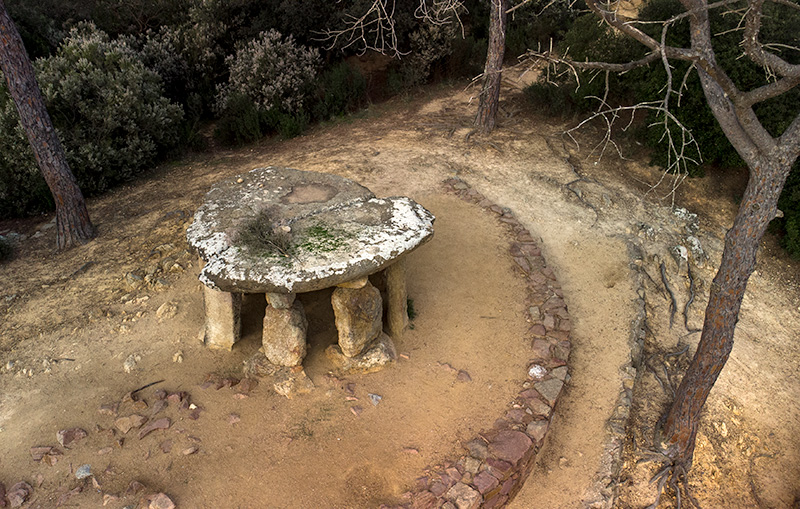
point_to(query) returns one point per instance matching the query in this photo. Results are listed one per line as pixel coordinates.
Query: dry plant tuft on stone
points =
(264, 236)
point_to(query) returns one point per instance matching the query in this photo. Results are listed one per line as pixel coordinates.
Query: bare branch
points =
(552, 58)
(373, 30)
(755, 50)
(441, 12)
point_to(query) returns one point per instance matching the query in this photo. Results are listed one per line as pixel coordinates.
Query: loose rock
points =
(66, 437)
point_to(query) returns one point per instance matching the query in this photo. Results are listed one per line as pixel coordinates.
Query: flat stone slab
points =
(339, 231)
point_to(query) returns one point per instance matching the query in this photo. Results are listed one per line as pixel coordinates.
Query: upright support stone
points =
(359, 317)
(281, 300)
(284, 336)
(223, 318)
(396, 298)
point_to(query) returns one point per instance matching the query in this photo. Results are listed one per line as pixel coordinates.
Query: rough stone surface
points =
(463, 496)
(161, 501)
(284, 336)
(396, 298)
(375, 357)
(537, 429)
(369, 233)
(549, 389)
(510, 446)
(293, 383)
(66, 437)
(359, 317)
(485, 481)
(223, 318)
(355, 284)
(281, 300)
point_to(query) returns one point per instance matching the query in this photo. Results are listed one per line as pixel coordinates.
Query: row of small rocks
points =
(497, 461)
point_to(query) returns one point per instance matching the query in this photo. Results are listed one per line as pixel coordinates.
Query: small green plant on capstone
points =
(264, 236)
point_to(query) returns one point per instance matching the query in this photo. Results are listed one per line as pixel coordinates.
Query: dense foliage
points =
(110, 113)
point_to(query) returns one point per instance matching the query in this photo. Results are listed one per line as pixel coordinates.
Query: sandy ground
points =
(70, 322)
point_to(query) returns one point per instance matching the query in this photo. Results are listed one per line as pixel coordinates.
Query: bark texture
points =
(492, 73)
(73, 225)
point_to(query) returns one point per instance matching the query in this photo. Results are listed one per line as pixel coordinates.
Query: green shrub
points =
(239, 122)
(340, 90)
(271, 71)
(288, 125)
(109, 112)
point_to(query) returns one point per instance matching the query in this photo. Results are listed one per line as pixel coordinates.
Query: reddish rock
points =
(538, 330)
(162, 423)
(496, 501)
(510, 446)
(109, 409)
(66, 437)
(160, 394)
(161, 501)
(498, 468)
(517, 415)
(158, 407)
(438, 488)
(485, 482)
(508, 485)
(39, 452)
(133, 488)
(463, 376)
(424, 500)
(464, 497)
(537, 429)
(541, 348)
(19, 493)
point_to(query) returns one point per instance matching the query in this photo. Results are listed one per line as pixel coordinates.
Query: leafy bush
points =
(271, 71)
(429, 44)
(109, 112)
(240, 121)
(340, 90)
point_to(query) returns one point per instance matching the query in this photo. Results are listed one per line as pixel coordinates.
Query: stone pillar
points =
(284, 335)
(223, 318)
(359, 317)
(396, 298)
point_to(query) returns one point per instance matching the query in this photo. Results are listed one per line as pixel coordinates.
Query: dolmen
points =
(281, 231)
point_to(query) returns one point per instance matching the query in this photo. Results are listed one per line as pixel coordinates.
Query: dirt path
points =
(602, 238)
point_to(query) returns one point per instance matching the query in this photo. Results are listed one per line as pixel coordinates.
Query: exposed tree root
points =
(674, 475)
(689, 302)
(673, 305)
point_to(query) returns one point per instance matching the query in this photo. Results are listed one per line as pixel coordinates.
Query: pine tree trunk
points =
(757, 209)
(73, 225)
(492, 73)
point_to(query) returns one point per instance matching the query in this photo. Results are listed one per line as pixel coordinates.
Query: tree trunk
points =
(757, 209)
(72, 219)
(492, 73)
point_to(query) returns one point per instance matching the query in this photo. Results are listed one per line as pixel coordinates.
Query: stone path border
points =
(498, 461)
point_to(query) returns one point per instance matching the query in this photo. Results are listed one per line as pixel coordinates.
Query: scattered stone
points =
(166, 311)
(83, 471)
(105, 450)
(109, 409)
(356, 410)
(374, 358)
(359, 317)
(463, 376)
(191, 450)
(374, 399)
(229, 381)
(246, 385)
(284, 336)
(161, 501)
(293, 383)
(411, 450)
(158, 407)
(162, 423)
(39, 481)
(66, 437)
(178, 357)
(233, 419)
(125, 424)
(160, 394)
(166, 446)
(39, 452)
(19, 493)
(447, 367)
(130, 362)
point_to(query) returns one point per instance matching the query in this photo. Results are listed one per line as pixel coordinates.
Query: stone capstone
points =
(339, 231)
(359, 317)
(284, 336)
